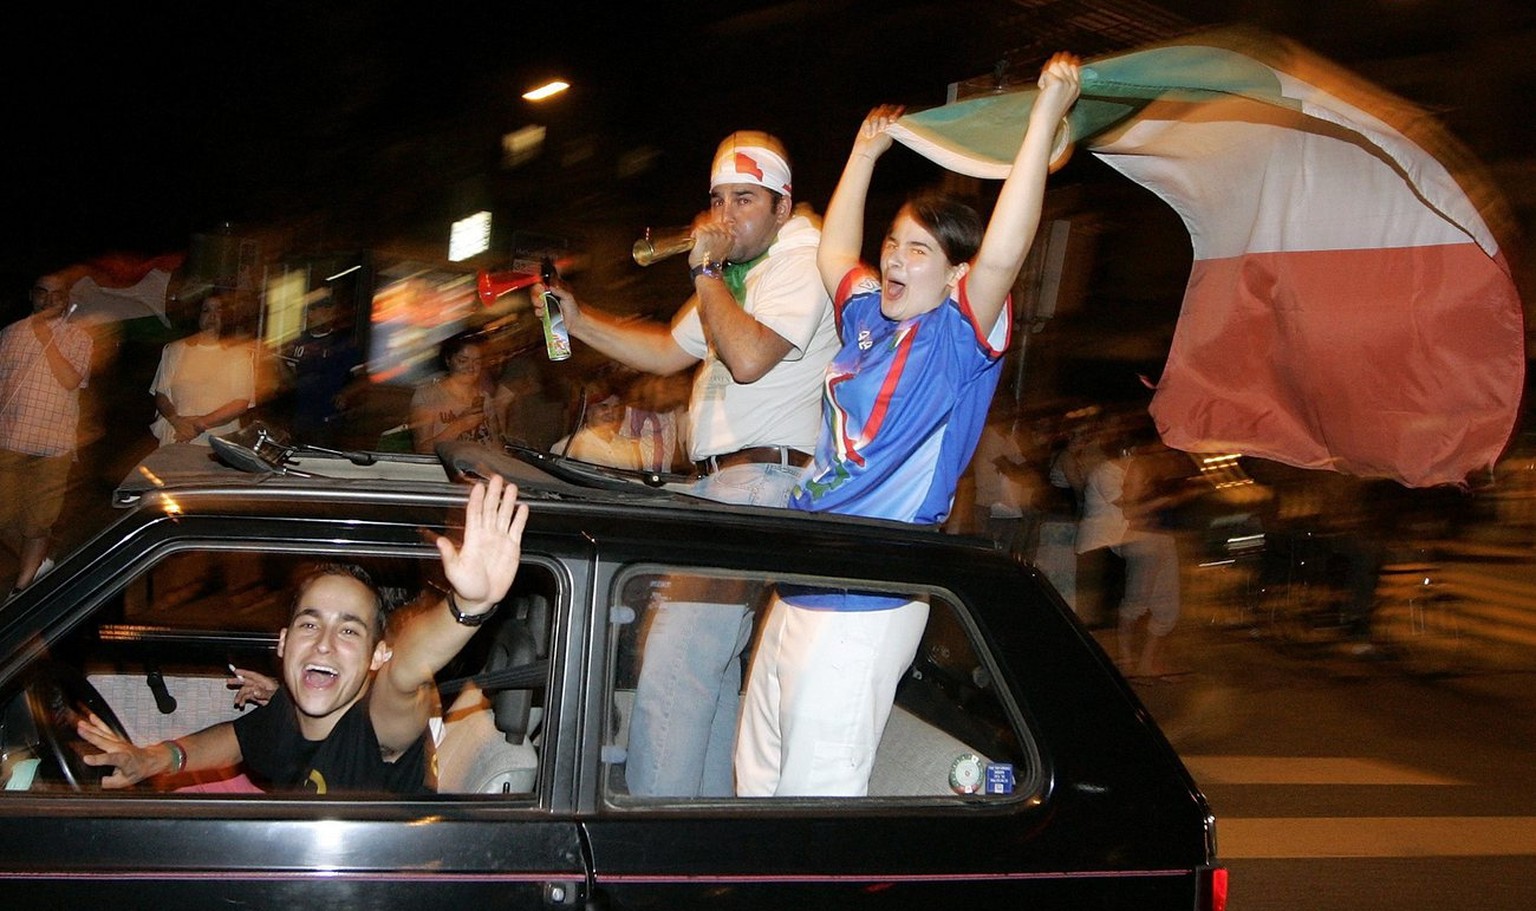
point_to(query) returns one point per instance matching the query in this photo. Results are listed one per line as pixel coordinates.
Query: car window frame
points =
(1029, 788)
(46, 636)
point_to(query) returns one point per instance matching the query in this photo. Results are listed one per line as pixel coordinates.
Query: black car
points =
(1018, 769)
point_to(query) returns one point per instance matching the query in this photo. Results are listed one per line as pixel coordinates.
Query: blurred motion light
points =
(547, 90)
(469, 236)
(522, 145)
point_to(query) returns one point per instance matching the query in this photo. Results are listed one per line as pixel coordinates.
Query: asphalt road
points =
(1345, 782)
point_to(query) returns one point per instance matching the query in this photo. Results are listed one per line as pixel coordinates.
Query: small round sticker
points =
(965, 774)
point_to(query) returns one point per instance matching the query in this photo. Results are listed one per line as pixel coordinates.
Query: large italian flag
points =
(1349, 307)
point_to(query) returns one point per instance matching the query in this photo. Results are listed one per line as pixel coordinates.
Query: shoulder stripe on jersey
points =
(963, 299)
(846, 287)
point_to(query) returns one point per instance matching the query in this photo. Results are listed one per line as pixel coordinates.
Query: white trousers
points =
(818, 697)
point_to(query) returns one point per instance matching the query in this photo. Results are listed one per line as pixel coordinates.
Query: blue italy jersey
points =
(903, 406)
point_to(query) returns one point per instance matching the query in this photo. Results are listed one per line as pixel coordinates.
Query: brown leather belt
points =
(756, 455)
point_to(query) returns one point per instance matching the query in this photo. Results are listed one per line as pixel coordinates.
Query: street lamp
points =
(547, 90)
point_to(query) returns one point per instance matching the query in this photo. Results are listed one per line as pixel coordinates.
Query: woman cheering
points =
(904, 403)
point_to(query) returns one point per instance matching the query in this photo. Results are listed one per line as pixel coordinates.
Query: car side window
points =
(949, 736)
(160, 654)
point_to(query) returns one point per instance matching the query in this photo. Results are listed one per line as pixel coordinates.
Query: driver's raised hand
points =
(481, 569)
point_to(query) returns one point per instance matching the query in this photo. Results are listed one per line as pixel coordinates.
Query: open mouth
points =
(318, 676)
(894, 290)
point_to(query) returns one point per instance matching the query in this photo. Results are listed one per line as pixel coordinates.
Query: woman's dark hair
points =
(955, 225)
(234, 315)
(455, 343)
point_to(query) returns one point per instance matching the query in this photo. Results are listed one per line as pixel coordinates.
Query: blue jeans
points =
(683, 730)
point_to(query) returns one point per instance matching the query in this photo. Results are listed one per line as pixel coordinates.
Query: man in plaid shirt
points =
(44, 362)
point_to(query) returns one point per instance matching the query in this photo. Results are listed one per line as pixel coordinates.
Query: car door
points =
(976, 796)
(155, 626)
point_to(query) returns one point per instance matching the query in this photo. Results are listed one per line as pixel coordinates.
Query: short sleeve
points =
(994, 339)
(790, 299)
(78, 352)
(166, 370)
(688, 330)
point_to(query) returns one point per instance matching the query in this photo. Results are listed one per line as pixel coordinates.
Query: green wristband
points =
(178, 756)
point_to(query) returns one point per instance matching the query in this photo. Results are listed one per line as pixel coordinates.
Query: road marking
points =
(1318, 770)
(1294, 838)
(1376, 836)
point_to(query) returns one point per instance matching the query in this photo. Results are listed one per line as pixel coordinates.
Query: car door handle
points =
(164, 701)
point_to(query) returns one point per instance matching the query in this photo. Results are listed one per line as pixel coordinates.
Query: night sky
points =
(137, 126)
(141, 128)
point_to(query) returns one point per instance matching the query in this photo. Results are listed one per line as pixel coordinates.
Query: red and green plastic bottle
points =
(557, 340)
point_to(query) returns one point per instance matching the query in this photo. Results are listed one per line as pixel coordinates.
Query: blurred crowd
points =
(1117, 521)
(1134, 534)
(83, 399)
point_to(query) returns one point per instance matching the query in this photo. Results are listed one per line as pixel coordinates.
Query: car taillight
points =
(1213, 889)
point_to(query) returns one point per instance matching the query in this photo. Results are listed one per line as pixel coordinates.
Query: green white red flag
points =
(1349, 305)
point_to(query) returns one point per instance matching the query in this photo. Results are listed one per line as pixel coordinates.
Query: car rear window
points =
(950, 735)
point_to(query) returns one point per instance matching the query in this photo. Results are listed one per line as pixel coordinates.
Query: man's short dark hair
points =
(314, 572)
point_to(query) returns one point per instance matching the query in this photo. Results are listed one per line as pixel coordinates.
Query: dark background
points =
(328, 128)
(135, 126)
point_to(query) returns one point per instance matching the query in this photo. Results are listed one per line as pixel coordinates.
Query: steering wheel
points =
(58, 697)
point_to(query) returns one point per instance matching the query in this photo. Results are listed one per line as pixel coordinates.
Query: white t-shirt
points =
(1103, 523)
(783, 292)
(997, 491)
(201, 378)
(589, 446)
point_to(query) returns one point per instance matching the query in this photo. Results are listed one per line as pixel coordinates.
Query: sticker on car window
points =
(1000, 778)
(965, 773)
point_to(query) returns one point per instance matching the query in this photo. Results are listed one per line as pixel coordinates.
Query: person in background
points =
(321, 363)
(599, 440)
(905, 399)
(1121, 502)
(758, 331)
(206, 382)
(1081, 576)
(44, 362)
(1003, 477)
(461, 404)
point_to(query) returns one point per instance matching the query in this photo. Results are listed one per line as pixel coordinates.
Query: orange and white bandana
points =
(748, 156)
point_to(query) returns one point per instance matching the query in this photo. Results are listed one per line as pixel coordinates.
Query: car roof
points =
(183, 468)
(537, 475)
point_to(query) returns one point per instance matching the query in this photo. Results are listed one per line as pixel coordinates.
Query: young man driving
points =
(352, 711)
